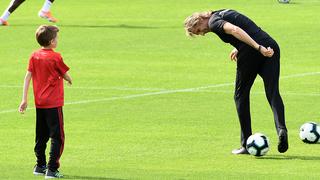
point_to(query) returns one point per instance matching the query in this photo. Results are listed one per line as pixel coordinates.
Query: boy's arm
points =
(24, 102)
(68, 78)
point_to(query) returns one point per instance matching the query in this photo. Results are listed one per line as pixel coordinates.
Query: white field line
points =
(261, 93)
(120, 88)
(300, 75)
(11, 111)
(162, 89)
(130, 96)
(148, 94)
(162, 92)
(157, 93)
(10, 86)
(95, 88)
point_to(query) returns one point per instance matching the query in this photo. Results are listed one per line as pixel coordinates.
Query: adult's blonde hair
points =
(192, 21)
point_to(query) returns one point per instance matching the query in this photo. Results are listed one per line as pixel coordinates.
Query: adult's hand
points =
(267, 52)
(233, 54)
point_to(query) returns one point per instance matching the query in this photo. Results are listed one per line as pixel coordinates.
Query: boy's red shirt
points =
(47, 69)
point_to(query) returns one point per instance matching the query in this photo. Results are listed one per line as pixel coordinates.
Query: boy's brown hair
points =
(45, 34)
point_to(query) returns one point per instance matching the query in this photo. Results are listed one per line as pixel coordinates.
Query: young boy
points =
(14, 4)
(47, 71)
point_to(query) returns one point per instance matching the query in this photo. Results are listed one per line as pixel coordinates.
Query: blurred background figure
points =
(14, 4)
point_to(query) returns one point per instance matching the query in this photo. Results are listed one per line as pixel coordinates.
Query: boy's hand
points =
(23, 106)
(68, 78)
(69, 82)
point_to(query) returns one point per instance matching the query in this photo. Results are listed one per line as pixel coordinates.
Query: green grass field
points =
(149, 103)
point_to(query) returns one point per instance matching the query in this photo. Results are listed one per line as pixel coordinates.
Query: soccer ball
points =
(258, 144)
(310, 133)
(284, 1)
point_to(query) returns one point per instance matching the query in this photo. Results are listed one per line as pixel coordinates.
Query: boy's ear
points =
(51, 42)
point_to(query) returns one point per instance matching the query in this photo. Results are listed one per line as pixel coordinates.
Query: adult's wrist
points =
(259, 48)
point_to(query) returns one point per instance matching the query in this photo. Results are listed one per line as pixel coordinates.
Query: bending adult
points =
(255, 52)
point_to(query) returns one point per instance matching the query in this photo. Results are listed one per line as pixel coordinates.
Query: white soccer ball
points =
(310, 133)
(283, 1)
(258, 144)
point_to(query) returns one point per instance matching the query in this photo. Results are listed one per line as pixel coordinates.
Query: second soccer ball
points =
(310, 133)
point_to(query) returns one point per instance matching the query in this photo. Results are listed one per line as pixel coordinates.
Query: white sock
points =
(5, 15)
(46, 6)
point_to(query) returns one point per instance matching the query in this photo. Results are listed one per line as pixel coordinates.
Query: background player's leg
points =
(45, 11)
(47, 5)
(14, 4)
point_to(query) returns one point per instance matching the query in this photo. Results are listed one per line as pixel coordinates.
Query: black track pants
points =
(251, 63)
(49, 124)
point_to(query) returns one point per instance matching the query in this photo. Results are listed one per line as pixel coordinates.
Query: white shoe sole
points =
(38, 174)
(49, 177)
(52, 177)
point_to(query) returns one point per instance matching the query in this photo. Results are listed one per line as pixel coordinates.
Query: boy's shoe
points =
(39, 171)
(53, 174)
(47, 15)
(283, 141)
(3, 22)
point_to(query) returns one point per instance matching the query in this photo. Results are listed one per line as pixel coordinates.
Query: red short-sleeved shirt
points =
(47, 68)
